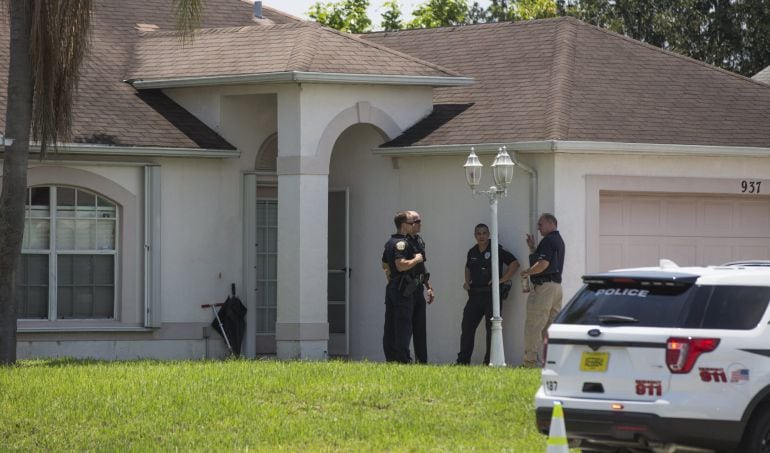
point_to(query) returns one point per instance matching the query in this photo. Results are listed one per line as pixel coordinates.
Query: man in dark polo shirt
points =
(544, 301)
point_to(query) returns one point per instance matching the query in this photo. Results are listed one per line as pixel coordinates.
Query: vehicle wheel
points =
(757, 435)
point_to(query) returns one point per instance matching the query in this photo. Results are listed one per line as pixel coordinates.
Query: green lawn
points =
(64, 405)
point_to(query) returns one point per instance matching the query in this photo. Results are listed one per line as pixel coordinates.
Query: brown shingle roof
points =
(561, 79)
(109, 111)
(301, 47)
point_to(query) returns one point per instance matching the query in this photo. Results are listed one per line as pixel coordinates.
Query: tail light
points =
(681, 352)
(545, 349)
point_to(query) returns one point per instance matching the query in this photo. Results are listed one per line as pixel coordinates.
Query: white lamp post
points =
(502, 171)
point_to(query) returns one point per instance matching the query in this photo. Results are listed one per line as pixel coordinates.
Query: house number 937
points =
(750, 186)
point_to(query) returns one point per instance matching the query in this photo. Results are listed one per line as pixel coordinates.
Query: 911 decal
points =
(713, 375)
(736, 374)
(649, 387)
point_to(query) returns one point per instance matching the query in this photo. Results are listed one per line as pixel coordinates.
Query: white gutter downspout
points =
(533, 211)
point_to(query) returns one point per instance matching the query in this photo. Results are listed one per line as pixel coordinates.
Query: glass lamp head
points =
(502, 168)
(473, 170)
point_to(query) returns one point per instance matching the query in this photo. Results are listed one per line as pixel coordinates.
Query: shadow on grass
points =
(57, 362)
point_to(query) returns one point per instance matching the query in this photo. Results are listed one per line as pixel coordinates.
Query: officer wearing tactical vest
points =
(399, 259)
(420, 272)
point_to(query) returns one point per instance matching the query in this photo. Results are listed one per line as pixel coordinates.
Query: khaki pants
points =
(543, 304)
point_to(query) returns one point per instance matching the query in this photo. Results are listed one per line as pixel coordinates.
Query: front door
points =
(339, 272)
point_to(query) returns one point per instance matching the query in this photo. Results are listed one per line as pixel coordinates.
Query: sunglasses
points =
(418, 221)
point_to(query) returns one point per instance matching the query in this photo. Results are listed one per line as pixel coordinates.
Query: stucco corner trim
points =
(301, 331)
(301, 165)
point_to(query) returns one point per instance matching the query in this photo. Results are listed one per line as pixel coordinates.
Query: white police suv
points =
(663, 359)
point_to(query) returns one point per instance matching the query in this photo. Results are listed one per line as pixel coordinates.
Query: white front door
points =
(339, 272)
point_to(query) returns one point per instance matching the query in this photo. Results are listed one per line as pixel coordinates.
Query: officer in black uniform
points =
(398, 259)
(478, 281)
(420, 272)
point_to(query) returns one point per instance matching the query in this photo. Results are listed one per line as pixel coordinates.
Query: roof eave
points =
(300, 77)
(137, 151)
(578, 147)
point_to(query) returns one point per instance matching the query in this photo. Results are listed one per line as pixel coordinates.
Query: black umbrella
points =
(230, 322)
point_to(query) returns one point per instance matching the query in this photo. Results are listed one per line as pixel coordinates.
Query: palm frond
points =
(189, 16)
(59, 42)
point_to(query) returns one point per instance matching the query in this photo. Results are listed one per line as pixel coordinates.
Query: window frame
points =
(53, 253)
(125, 185)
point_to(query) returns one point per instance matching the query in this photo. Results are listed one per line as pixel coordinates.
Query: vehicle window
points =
(632, 304)
(637, 304)
(735, 307)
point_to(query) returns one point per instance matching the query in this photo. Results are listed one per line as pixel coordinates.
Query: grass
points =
(64, 405)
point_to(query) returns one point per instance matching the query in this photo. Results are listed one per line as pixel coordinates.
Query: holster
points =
(408, 285)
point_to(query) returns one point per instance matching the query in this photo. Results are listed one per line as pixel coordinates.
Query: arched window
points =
(69, 255)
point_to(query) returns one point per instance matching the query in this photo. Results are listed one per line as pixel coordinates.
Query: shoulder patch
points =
(401, 245)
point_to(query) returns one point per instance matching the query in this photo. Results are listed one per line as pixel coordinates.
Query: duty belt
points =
(539, 280)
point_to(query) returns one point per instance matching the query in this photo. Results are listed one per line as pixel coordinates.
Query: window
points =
(69, 255)
(681, 306)
(267, 255)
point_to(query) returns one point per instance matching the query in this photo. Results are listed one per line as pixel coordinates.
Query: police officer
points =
(400, 258)
(544, 301)
(478, 281)
(420, 272)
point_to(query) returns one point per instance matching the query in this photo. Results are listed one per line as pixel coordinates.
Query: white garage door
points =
(637, 229)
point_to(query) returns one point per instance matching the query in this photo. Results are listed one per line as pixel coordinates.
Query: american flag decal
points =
(739, 375)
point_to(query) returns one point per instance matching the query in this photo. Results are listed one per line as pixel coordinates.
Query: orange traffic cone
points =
(557, 435)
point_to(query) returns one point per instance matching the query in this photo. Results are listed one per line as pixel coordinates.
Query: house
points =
(763, 75)
(272, 153)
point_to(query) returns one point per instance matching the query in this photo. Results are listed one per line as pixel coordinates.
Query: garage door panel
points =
(715, 253)
(682, 254)
(611, 213)
(681, 216)
(750, 252)
(613, 256)
(644, 216)
(643, 251)
(690, 230)
(753, 218)
(716, 218)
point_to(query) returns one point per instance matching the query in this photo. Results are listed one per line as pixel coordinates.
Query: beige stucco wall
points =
(435, 186)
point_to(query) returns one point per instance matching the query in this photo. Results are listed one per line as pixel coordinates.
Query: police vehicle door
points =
(339, 271)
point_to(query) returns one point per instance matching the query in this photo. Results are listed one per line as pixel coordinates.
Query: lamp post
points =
(502, 171)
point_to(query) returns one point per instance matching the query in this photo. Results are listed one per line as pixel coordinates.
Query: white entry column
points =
(302, 328)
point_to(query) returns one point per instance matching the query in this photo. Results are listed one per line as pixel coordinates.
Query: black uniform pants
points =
(397, 333)
(479, 306)
(419, 329)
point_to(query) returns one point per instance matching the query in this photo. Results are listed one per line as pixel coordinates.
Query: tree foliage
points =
(391, 18)
(439, 13)
(503, 10)
(731, 34)
(345, 15)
